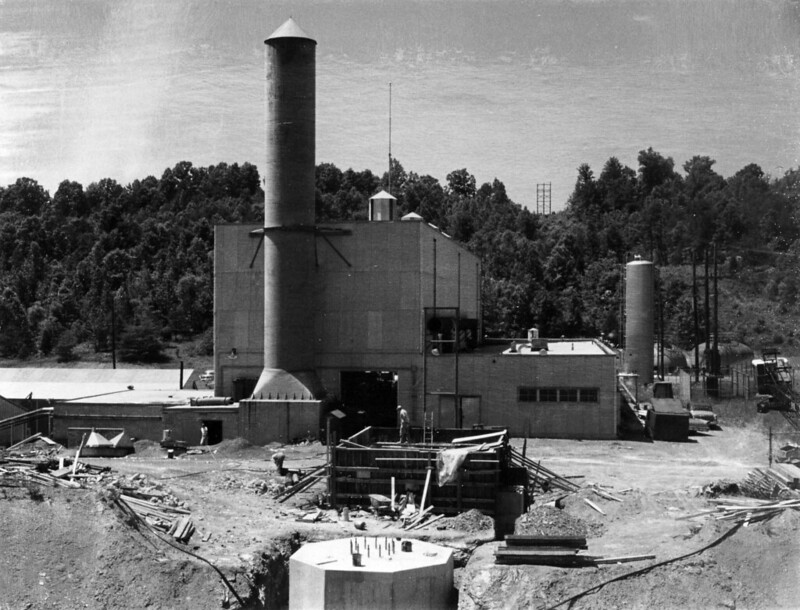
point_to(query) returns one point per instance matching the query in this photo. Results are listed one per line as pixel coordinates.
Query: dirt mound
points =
(146, 448)
(471, 521)
(547, 520)
(81, 551)
(232, 446)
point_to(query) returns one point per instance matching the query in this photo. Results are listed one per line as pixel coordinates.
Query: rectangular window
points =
(531, 394)
(568, 395)
(548, 395)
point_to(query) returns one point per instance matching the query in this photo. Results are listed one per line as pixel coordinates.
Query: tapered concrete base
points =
(323, 575)
(277, 384)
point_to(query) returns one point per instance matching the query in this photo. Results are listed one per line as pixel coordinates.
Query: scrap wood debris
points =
(782, 480)
(746, 510)
(768, 492)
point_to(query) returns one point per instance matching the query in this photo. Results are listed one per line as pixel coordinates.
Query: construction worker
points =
(404, 423)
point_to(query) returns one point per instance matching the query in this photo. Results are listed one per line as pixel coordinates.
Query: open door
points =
(369, 398)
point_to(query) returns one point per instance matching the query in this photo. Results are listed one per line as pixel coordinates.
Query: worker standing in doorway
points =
(203, 433)
(404, 423)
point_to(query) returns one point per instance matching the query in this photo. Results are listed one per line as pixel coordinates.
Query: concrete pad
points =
(323, 574)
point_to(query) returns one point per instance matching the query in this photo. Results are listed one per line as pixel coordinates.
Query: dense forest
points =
(139, 258)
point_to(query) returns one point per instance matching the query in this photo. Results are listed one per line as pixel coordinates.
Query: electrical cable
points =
(127, 509)
(714, 543)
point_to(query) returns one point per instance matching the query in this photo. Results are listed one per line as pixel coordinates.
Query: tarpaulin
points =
(448, 461)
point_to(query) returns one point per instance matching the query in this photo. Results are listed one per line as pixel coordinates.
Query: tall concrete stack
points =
(289, 187)
(639, 319)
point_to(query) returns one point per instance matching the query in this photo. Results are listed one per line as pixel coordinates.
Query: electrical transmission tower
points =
(544, 198)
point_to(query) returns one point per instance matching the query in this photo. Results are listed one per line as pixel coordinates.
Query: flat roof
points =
(98, 385)
(560, 347)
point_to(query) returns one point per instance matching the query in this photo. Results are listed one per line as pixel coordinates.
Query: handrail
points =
(24, 417)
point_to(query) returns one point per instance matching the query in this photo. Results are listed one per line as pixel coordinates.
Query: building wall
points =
(184, 422)
(374, 280)
(141, 421)
(9, 409)
(238, 305)
(263, 422)
(496, 380)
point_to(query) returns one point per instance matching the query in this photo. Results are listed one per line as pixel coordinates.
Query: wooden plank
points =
(533, 540)
(534, 552)
(594, 506)
(427, 523)
(541, 550)
(425, 490)
(548, 560)
(479, 437)
(24, 441)
(623, 559)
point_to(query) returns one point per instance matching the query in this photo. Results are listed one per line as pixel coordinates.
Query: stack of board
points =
(543, 550)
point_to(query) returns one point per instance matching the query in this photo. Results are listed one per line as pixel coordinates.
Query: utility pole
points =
(696, 321)
(113, 335)
(716, 315)
(707, 325)
(389, 179)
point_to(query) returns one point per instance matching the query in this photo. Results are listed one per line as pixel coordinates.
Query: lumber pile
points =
(18, 471)
(780, 481)
(746, 510)
(173, 520)
(559, 551)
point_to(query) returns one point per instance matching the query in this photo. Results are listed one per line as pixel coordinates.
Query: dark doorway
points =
(369, 398)
(214, 431)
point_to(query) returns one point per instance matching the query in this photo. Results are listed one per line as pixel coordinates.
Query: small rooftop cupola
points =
(382, 207)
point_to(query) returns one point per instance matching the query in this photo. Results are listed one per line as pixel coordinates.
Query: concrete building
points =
(372, 314)
(381, 290)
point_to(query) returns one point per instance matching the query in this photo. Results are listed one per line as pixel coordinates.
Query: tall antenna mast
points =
(389, 184)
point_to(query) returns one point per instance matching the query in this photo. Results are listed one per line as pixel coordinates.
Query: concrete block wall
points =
(185, 422)
(141, 421)
(496, 378)
(264, 421)
(371, 302)
(238, 305)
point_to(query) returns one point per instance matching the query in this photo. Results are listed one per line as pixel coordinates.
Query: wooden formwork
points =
(365, 463)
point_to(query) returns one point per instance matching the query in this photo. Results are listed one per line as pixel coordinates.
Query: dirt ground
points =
(75, 548)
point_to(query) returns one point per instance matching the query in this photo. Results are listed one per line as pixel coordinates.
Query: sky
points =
(523, 91)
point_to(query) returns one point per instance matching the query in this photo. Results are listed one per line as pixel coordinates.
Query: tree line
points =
(139, 257)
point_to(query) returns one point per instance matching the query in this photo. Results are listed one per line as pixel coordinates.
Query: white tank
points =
(639, 319)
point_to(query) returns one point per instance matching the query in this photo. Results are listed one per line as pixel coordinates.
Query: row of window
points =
(529, 394)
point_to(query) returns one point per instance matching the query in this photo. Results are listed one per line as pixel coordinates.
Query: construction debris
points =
(777, 482)
(562, 551)
(746, 510)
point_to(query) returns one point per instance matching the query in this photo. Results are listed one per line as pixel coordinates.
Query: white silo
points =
(639, 319)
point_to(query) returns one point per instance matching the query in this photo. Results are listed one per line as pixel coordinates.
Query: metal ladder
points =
(427, 429)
